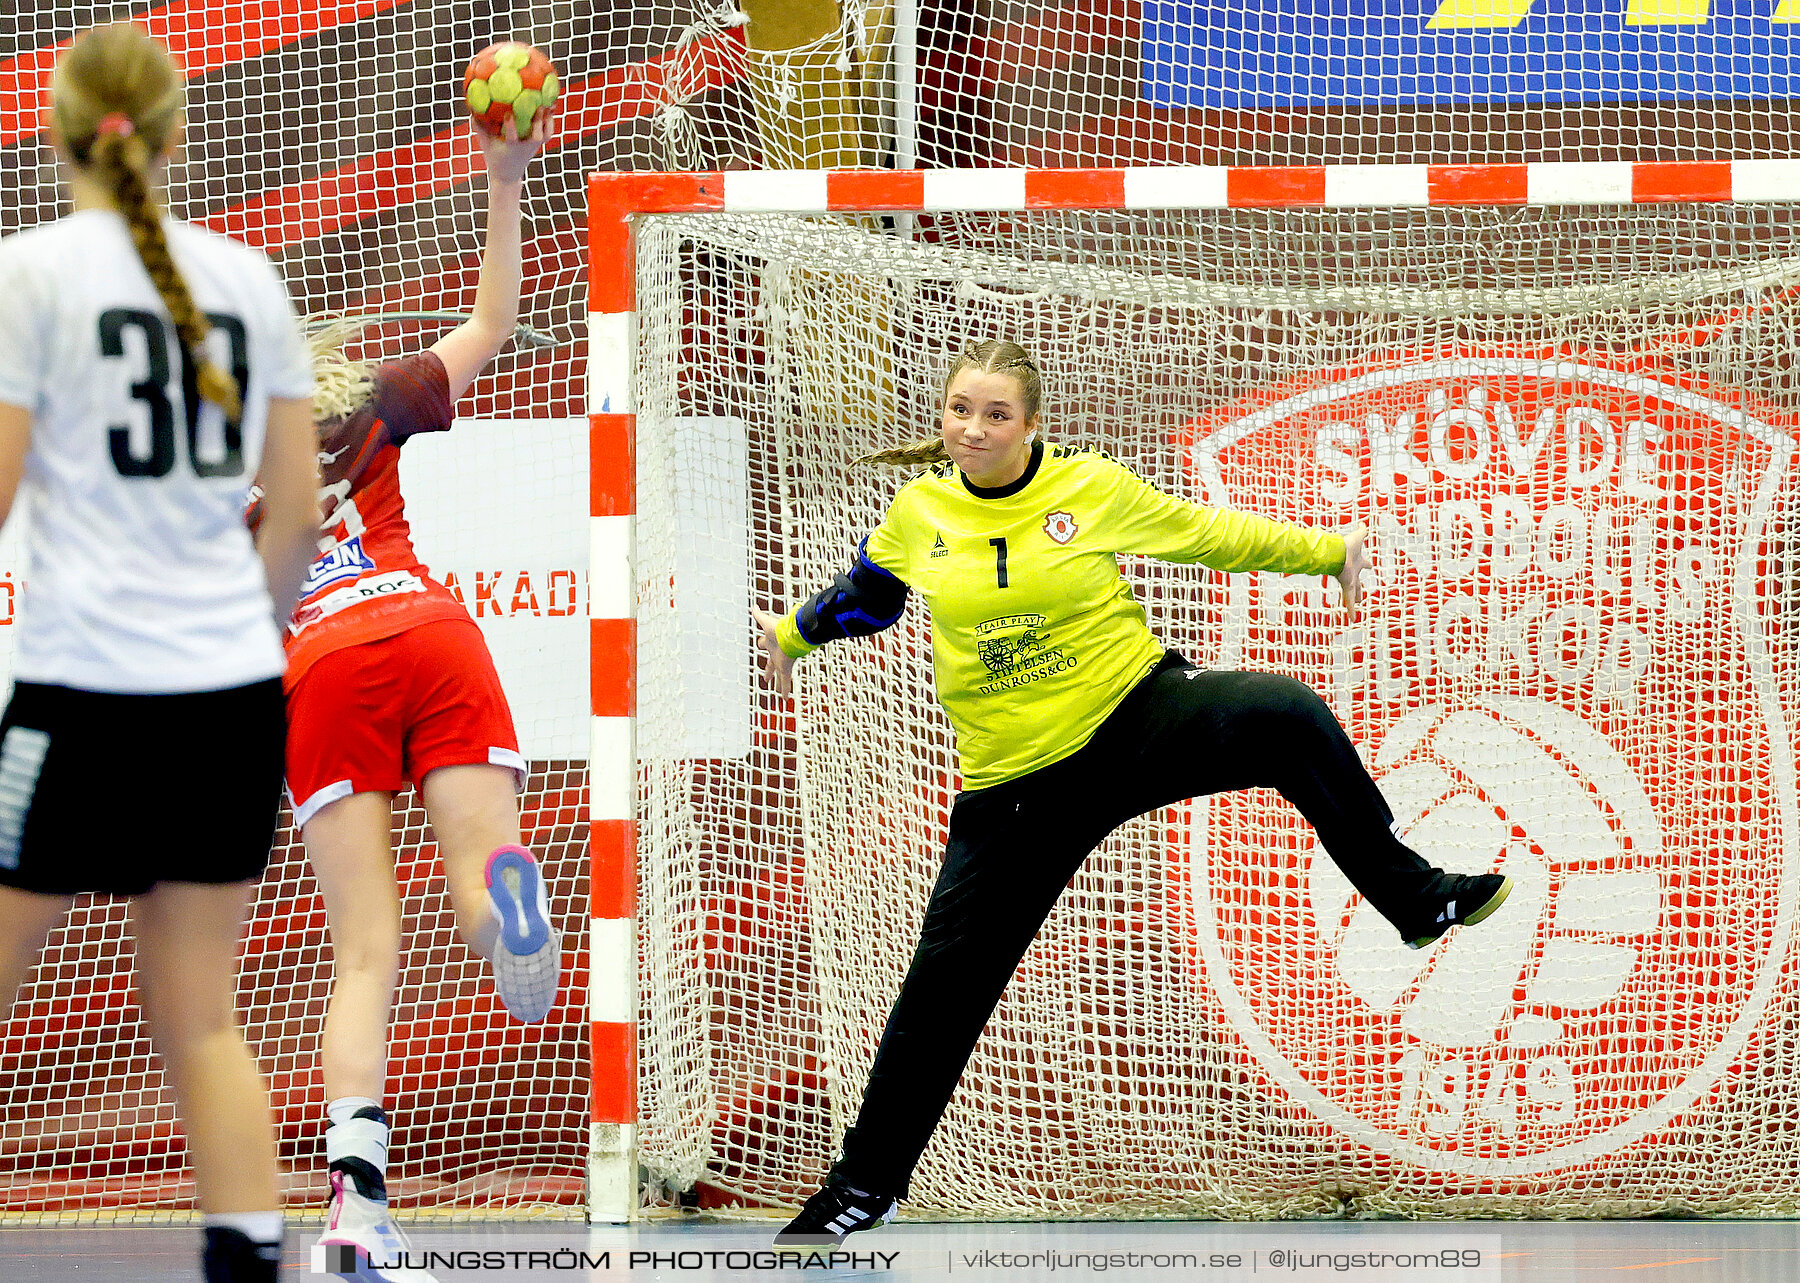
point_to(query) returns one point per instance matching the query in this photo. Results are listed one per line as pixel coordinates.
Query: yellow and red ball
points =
(509, 79)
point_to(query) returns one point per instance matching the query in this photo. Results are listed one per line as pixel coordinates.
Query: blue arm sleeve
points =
(862, 601)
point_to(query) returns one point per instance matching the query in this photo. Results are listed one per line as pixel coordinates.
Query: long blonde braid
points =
(118, 96)
(992, 356)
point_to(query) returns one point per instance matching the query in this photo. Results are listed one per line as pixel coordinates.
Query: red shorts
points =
(369, 718)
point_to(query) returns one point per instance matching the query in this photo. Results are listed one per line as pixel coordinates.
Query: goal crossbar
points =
(1194, 187)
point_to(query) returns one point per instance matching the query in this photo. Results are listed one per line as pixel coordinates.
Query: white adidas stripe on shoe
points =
(833, 1214)
(527, 959)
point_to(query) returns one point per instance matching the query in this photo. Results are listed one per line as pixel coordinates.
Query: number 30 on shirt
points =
(153, 391)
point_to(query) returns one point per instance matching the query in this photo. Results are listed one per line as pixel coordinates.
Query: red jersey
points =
(368, 583)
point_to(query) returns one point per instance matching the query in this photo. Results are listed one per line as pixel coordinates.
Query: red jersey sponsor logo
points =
(344, 562)
(368, 588)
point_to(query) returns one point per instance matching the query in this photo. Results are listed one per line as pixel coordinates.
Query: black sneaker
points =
(1462, 901)
(835, 1211)
(231, 1257)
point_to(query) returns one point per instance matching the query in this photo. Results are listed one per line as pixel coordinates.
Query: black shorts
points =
(115, 793)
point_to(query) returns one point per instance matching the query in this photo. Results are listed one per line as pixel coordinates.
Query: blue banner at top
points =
(1274, 54)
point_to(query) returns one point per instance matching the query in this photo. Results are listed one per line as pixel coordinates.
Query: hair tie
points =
(115, 122)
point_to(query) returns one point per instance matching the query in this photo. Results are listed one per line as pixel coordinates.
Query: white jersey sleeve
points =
(141, 576)
(22, 371)
(289, 372)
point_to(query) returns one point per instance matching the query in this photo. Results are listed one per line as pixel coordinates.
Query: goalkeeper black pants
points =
(1182, 732)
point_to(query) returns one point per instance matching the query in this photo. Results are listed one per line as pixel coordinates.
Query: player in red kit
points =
(390, 681)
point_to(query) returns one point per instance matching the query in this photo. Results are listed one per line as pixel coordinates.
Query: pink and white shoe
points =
(527, 957)
(362, 1242)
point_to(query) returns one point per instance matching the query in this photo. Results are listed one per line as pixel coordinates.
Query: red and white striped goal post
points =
(614, 199)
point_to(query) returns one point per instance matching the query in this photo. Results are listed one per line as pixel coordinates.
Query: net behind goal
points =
(1571, 427)
(490, 1116)
(367, 195)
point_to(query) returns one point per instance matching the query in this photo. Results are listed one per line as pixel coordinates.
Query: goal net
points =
(333, 140)
(330, 137)
(1572, 431)
(1225, 82)
(490, 1116)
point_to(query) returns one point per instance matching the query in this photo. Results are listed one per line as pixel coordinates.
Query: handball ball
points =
(509, 79)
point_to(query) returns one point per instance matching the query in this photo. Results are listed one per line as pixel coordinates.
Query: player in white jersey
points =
(152, 369)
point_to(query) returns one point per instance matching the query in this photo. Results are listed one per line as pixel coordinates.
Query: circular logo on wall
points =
(1565, 672)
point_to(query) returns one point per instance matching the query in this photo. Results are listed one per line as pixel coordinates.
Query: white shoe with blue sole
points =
(527, 957)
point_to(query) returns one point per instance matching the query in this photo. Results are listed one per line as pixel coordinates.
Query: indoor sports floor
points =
(1529, 1252)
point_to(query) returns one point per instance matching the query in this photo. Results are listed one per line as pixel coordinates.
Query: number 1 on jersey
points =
(999, 560)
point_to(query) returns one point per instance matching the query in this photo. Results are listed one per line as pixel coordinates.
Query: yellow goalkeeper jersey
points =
(1035, 634)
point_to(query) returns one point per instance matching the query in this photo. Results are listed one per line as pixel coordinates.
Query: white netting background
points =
(334, 141)
(490, 1116)
(1580, 661)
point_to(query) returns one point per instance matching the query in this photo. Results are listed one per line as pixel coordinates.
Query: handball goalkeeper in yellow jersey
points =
(1070, 719)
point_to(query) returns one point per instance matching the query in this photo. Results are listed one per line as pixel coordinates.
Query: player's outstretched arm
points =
(287, 537)
(858, 603)
(778, 665)
(467, 349)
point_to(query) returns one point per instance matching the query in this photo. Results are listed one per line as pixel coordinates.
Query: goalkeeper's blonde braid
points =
(117, 98)
(992, 356)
